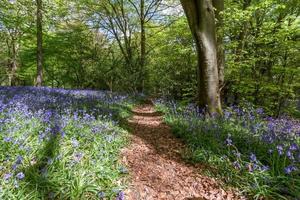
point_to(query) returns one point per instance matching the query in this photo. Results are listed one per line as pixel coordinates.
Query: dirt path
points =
(155, 165)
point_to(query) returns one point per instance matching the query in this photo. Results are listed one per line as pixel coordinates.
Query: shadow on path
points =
(156, 167)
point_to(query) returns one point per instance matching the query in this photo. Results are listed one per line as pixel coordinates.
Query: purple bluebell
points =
(290, 155)
(279, 149)
(237, 165)
(74, 142)
(253, 158)
(7, 139)
(289, 169)
(293, 147)
(19, 160)
(265, 168)
(7, 176)
(101, 194)
(260, 111)
(78, 156)
(228, 141)
(20, 175)
(121, 196)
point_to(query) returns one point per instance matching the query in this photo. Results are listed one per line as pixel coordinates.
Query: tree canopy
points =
(146, 46)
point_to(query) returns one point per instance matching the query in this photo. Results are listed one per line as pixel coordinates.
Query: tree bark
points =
(201, 18)
(219, 8)
(13, 49)
(39, 27)
(143, 43)
(12, 78)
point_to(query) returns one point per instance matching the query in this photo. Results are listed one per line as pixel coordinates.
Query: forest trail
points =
(156, 168)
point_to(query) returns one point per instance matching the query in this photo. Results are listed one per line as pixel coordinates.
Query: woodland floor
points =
(156, 167)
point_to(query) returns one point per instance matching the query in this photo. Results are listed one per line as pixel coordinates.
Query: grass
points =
(69, 153)
(258, 155)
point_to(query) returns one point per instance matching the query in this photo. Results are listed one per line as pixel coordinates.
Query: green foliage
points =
(173, 62)
(65, 177)
(262, 54)
(77, 161)
(238, 150)
(88, 44)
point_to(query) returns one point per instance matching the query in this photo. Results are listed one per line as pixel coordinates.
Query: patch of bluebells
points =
(32, 118)
(254, 142)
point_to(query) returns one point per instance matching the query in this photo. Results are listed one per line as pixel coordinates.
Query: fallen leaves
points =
(157, 168)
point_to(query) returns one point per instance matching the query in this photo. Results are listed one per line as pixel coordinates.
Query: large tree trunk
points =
(201, 18)
(219, 8)
(39, 26)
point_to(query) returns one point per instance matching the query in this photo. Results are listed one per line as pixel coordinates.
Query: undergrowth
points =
(244, 148)
(61, 144)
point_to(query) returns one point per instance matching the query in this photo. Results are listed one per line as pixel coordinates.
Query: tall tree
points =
(146, 11)
(13, 54)
(39, 27)
(201, 18)
(15, 21)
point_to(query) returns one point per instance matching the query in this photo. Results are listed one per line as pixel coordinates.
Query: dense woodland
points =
(147, 46)
(77, 76)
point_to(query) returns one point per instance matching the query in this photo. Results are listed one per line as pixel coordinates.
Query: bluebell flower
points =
(7, 176)
(75, 143)
(260, 111)
(294, 147)
(50, 161)
(237, 154)
(237, 165)
(290, 155)
(78, 156)
(120, 196)
(289, 169)
(20, 175)
(253, 158)
(271, 126)
(265, 168)
(255, 166)
(19, 160)
(62, 133)
(228, 141)
(101, 194)
(280, 149)
(14, 166)
(7, 139)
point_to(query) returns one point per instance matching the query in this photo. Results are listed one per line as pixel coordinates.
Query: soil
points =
(156, 167)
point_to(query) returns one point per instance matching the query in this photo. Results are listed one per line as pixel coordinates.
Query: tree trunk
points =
(201, 18)
(143, 43)
(39, 27)
(12, 79)
(219, 8)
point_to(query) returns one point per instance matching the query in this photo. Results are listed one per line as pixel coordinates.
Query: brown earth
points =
(156, 167)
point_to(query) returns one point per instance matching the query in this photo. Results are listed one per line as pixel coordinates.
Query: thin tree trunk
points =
(39, 26)
(143, 43)
(201, 18)
(12, 79)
